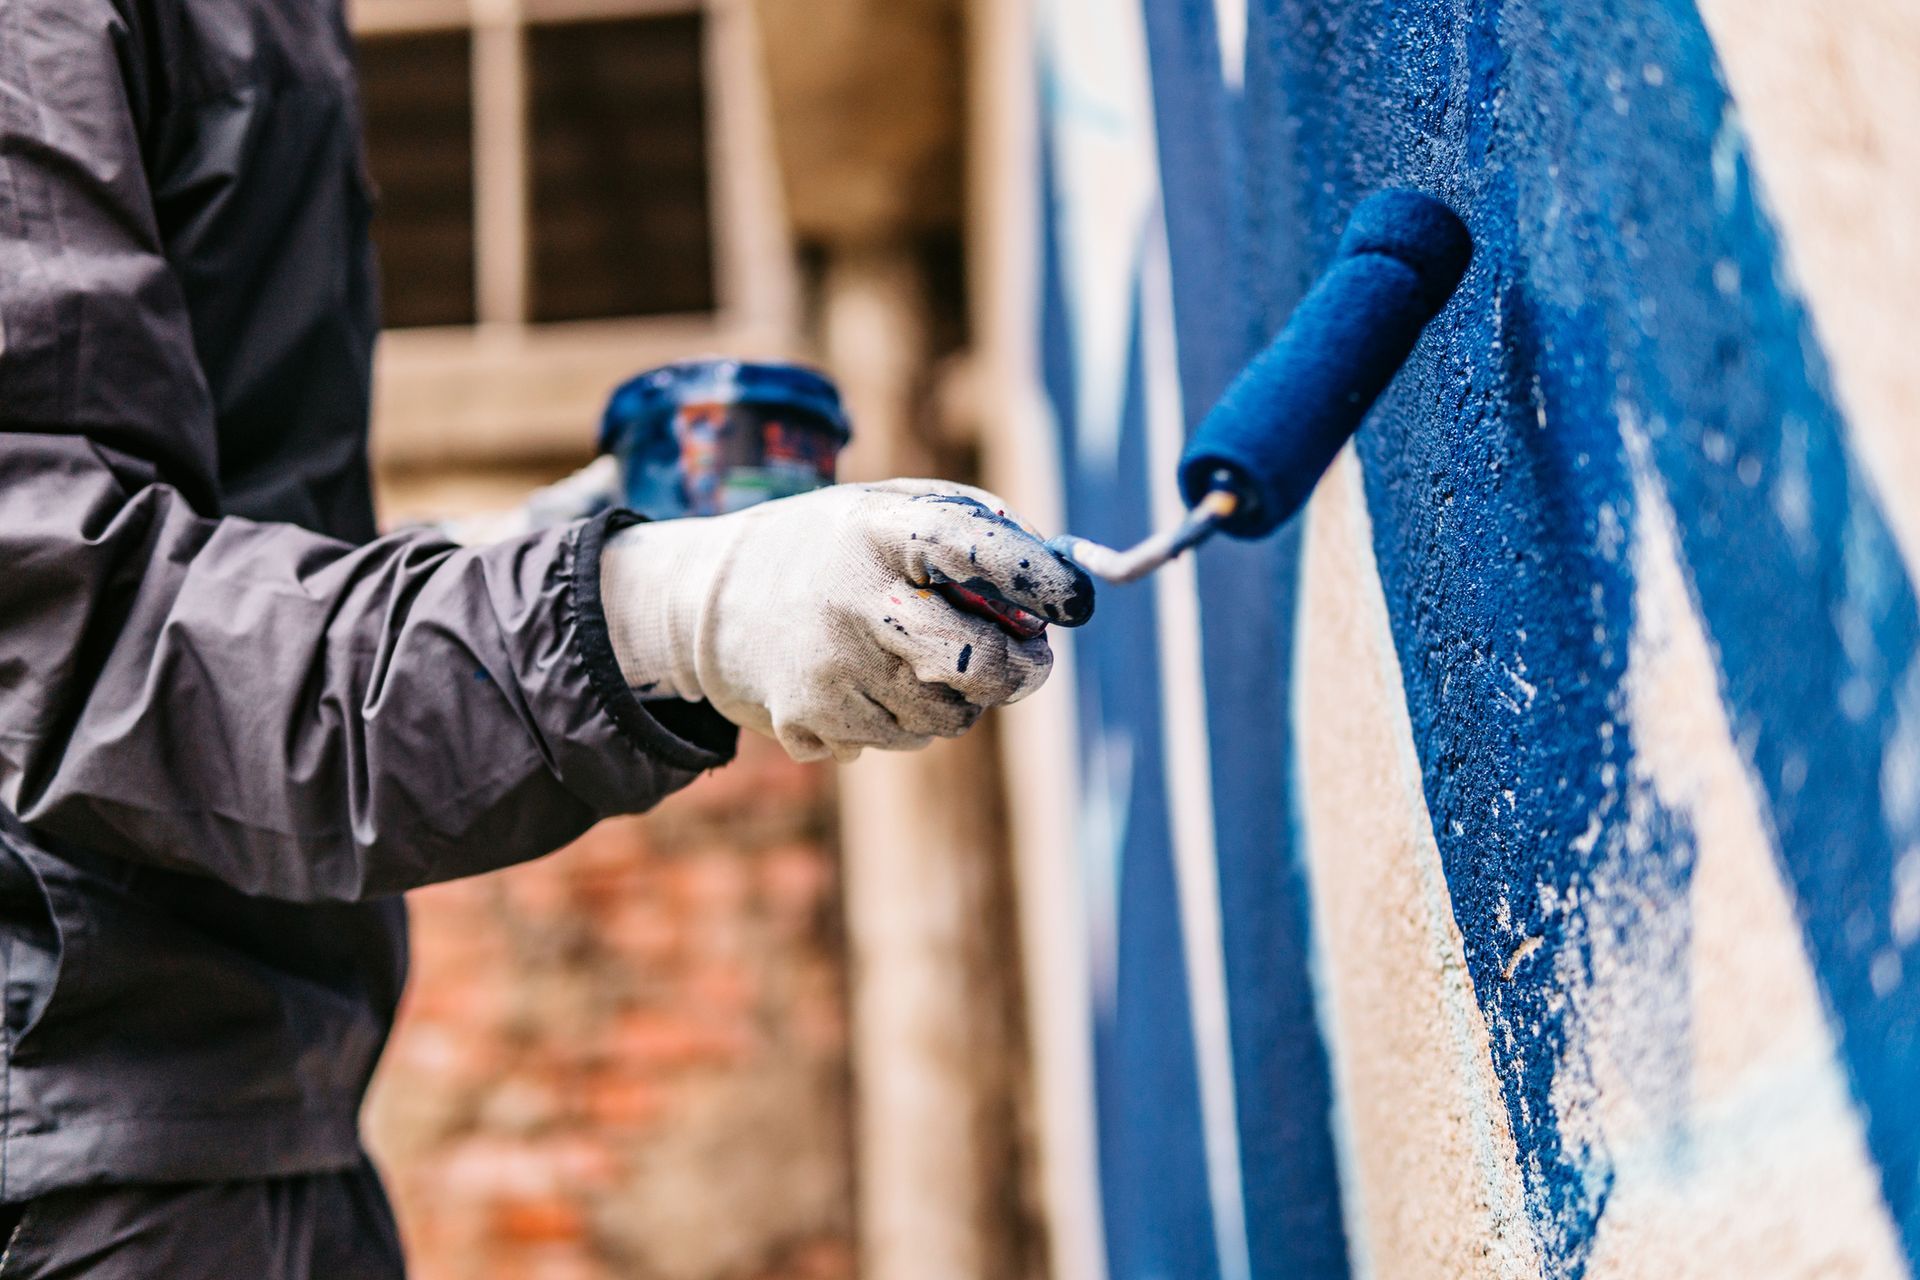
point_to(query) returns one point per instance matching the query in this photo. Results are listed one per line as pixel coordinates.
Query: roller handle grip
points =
(1282, 421)
(1010, 618)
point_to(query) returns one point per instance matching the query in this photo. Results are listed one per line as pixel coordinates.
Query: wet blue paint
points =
(1151, 1159)
(1624, 274)
(1277, 427)
(1487, 535)
(1816, 622)
(1072, 610)
(1227, 304)
(1589, 182)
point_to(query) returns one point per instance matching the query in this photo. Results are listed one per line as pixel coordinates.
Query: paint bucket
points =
(705, 437)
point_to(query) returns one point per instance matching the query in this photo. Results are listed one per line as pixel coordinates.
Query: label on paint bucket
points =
(705, 437)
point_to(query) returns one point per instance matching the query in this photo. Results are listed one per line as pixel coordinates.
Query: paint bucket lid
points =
(648, 402)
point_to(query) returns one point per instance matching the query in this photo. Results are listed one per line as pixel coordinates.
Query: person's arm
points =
(295, 716)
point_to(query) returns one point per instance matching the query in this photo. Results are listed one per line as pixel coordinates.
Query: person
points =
(236, 725)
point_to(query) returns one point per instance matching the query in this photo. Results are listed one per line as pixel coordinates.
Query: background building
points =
(776, 1028)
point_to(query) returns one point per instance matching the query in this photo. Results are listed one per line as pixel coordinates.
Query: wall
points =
(1512, 868)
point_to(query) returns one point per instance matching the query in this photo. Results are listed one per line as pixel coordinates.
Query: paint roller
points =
(712, 435)
(1256, 456)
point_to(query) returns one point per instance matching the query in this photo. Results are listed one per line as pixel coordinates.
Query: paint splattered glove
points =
(815, 619)
(588, 491)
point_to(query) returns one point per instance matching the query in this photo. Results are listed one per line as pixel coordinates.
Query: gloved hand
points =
(813, 619)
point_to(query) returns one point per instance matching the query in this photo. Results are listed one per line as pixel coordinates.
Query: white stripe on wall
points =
(1429, 1171)
(1230, 29)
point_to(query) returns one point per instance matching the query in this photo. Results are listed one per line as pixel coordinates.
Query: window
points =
(620, 215)
(416, 96)
(569, 191)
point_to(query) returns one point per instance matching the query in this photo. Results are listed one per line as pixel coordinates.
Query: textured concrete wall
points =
(1509, 870)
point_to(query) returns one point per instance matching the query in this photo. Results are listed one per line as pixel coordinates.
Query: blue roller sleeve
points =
(1284, 418)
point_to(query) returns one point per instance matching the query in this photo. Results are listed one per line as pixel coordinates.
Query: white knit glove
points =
(815, 619)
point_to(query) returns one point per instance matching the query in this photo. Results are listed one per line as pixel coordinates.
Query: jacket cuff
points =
(685, 735)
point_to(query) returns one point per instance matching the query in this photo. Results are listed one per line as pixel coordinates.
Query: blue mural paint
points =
(1486, 532)
(1158, 1215)
(1226, 305)
(973, 507)
(1810, 607)
(1626, 284)
(1072, 610)
(1152, 1157)
(1279, 425)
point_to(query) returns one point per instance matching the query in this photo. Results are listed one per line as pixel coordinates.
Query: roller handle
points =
(1284, 418)
(1010, 618)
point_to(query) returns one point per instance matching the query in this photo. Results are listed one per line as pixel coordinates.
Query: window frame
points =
(506, 389)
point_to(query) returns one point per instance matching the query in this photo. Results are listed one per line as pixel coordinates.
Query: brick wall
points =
(629, 1059)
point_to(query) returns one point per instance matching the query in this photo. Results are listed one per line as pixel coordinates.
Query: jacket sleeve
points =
(296, 716)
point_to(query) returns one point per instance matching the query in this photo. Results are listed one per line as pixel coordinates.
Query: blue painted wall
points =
(1626, 294)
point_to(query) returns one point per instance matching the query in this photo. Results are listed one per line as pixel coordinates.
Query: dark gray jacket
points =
(233, 724)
